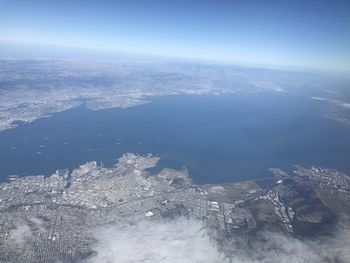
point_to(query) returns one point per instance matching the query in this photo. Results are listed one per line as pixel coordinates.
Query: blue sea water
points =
(218, 138)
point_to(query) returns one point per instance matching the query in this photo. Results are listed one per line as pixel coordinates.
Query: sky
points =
(303, 33)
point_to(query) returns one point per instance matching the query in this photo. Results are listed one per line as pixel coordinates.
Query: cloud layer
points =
(188, 241)
(179, 240)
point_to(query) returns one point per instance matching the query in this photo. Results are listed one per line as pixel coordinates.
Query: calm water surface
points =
(218, 138)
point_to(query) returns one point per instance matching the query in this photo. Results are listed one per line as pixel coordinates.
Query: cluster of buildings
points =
(50, 218)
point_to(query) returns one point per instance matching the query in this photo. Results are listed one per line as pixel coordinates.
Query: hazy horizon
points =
(313, 34)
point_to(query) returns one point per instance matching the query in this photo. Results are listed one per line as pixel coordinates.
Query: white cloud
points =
(20, 234)
(188, 241)
(181, 240)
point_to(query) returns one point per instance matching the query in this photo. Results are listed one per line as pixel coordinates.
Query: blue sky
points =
(306, 33)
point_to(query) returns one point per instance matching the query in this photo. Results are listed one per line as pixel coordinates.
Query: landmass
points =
(49, 219)
(32, 89)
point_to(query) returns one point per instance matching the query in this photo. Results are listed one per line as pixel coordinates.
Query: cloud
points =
(25, 231)
(188, 241)
(20, 234)
(181, 240)
(274, 247)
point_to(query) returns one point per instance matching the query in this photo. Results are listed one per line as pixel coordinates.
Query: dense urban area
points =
(46, 219)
